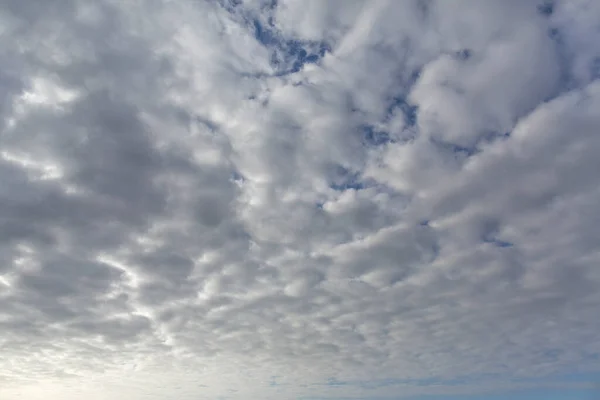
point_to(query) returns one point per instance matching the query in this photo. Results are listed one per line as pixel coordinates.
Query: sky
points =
(300, 199)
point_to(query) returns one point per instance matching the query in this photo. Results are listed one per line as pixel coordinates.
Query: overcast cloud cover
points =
(297, 199)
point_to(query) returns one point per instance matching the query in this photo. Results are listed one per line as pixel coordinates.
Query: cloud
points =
(258, 199)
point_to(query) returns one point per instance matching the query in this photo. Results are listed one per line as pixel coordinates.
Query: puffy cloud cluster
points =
(256, 199)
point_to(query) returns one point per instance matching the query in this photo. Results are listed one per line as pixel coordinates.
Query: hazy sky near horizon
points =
(299, 199)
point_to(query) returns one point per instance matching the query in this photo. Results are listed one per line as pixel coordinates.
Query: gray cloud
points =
(261, 200)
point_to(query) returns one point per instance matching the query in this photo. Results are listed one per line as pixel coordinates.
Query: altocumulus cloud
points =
(282, 199)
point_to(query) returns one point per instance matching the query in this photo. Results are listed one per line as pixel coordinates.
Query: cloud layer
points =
(256, 199)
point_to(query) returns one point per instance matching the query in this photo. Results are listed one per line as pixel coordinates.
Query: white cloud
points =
(272, 200)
